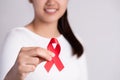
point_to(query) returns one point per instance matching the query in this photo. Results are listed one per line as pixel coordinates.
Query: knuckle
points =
(21, 53)
(37, 49)
(20, 67)
(42, 53)
(19, 61)
(22, 49)
(36, 61)
(32, 68)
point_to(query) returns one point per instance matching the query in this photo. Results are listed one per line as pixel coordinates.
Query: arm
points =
(16, 62)
(11, 47)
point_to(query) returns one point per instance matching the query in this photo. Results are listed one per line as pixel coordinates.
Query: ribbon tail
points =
(58, 63)
(48, 65)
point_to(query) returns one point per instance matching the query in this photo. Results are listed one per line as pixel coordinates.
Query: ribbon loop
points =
(56, 60)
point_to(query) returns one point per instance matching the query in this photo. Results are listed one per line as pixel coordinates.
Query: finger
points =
(31, 49)
(43, 53)
(33, 61)
(26, 48)
(37, 51)
(46, 51)
(50, 53)
(27, 68)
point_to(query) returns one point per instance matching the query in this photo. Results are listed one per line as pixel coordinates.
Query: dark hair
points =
(65, 29)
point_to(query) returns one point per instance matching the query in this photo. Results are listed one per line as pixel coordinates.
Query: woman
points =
(25, 51)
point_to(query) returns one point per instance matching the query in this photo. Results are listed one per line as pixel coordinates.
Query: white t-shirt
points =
(74, 68)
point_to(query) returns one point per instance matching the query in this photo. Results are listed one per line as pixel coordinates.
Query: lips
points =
(51, 10)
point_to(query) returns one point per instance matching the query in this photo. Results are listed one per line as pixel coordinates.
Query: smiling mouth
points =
(50, 10)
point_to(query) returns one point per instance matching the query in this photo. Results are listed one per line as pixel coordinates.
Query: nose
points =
(50, 2)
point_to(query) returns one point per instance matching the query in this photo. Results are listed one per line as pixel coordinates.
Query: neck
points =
(47, 30)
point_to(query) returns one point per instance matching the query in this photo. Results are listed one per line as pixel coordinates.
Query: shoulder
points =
(14, 37)
(17, 31)
(13, 41)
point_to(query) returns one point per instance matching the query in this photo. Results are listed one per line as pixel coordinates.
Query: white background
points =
(96, 21)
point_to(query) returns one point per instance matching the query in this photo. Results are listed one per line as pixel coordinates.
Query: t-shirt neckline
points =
(58, 38)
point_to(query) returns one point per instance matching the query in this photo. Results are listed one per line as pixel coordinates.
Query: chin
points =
(51, 20)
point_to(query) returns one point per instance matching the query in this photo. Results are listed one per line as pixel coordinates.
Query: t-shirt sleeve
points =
(10, 49)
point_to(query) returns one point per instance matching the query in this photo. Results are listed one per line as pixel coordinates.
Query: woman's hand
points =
(27, 61)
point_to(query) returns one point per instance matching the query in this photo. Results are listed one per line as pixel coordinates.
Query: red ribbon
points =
(55, 59)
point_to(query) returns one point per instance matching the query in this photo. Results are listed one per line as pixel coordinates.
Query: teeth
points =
(51, 10)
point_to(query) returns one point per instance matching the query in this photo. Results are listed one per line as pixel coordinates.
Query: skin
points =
(47, 14)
